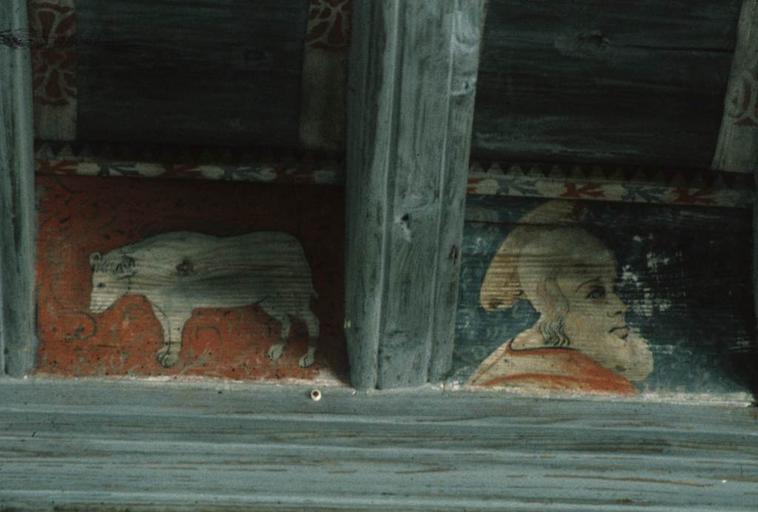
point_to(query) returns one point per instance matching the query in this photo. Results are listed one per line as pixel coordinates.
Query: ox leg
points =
(172, 326)
(311, 322)
(277, 349)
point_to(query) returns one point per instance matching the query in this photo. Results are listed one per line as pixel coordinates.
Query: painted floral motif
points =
(516, 181)
(585, 190)
(743, 102)
(694, 196)
(53, 56)
(262, 173)
(60, 167)
(328, 24)
(495, 179)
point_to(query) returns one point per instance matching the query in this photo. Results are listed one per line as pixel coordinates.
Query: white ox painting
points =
(180, 271)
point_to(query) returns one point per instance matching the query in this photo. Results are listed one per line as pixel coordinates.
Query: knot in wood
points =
(185, 268)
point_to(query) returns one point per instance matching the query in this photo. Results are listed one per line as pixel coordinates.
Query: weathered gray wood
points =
(16, 193)
(413, 72)
(191, 71)
(104, 445)
(592, 80)
(737, 149)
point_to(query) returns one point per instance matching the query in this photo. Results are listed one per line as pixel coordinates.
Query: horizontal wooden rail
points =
(107, 446)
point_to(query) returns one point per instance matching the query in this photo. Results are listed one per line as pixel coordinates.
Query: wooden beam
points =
(17, 344)
(145, 446)
(634, 82)
(737, 149)
(413, 68)
(221, 73)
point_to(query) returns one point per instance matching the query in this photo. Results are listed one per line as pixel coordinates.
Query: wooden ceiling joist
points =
(737, 149)
(413, 68)
(17, 215)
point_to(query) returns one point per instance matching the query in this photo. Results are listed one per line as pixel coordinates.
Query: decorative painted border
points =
(553, 181)
(52, 25)
(633, 185)
(328, 25)
(66, 159)
(324, 79)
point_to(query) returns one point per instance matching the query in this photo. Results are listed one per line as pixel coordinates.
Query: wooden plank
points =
(636, 82)
(737, 149)
(662, 288)
(104, 445)
(184, 278)
(16, 194)
(413, 74)
(225, 73)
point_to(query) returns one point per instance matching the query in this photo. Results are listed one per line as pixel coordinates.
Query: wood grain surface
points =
(225, 72)
(590, 80)
(17, 340)
(106, 446)
(413, 77)
(737, 149)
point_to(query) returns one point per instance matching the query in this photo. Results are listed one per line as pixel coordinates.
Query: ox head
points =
(110, 279)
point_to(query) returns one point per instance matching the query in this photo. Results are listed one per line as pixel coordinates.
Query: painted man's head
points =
(569, 277)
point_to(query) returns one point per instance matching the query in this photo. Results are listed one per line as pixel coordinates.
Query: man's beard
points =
(636, 362)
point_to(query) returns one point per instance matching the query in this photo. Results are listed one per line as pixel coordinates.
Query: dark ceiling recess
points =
(192, 72)
(639, 82)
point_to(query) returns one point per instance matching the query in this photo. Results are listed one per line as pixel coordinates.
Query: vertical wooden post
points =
(412, 79)
(737, 149)
(17, 344)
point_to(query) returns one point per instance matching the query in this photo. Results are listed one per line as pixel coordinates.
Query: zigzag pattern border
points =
(610, 183)
(186, 163)
(546, 180)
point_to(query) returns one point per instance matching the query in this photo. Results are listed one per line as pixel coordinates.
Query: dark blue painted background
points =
(699, 326)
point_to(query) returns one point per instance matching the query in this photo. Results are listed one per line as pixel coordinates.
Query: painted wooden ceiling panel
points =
(588, 80)
(226, 72)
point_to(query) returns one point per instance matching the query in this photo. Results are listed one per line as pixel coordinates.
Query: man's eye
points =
(598, 292)
(101, 285)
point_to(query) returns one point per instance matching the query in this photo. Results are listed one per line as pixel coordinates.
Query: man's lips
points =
(621, 331)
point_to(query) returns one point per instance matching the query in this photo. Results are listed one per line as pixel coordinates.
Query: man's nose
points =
(617, 306)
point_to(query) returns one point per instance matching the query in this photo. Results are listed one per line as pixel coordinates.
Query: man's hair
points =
(554, 307)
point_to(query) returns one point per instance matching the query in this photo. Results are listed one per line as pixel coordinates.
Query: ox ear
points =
(94, 259)
(125, 267)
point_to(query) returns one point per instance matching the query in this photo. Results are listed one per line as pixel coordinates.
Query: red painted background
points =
(79, 215)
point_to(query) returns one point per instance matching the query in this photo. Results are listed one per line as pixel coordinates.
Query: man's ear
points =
(94, 259)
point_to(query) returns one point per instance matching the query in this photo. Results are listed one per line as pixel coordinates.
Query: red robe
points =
(555, 369)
